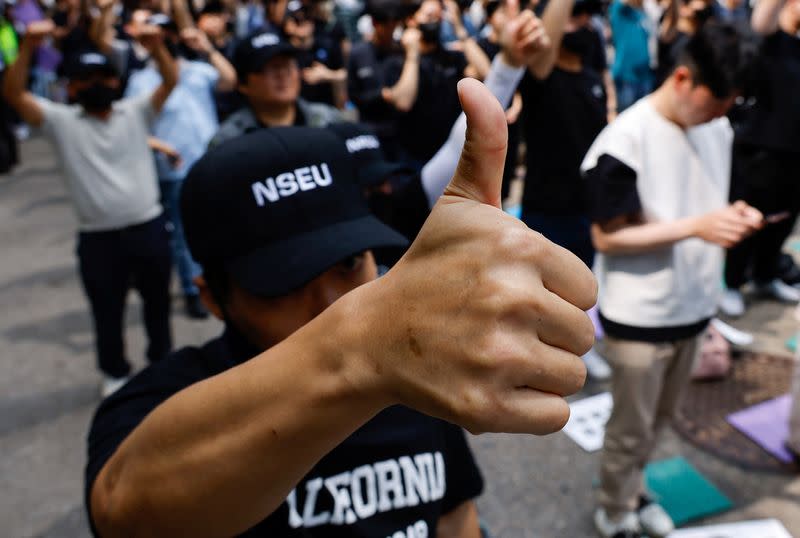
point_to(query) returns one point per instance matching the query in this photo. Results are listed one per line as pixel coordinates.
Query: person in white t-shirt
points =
(657, 181)
(111, 178)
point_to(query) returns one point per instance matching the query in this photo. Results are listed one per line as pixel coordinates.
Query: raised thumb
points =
(479, 175)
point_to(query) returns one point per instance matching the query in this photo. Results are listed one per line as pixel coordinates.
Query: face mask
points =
(97, 97)
(578, 42)
(430, 31)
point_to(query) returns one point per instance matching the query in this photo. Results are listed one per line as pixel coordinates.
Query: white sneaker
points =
(780, 290)
(731, 302)
(112, 384)
(653, 519)
(626, 527)
(596, 366)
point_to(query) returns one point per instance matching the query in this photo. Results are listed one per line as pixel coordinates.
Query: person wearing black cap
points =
(379, 102)
(112, 180)
(269, 79)
(319, 56)
(306, 417)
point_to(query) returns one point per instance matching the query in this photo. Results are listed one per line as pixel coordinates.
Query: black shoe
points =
(195, 308)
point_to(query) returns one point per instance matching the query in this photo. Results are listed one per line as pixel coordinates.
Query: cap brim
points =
(279, 268)
(378, 172)
(268, 53)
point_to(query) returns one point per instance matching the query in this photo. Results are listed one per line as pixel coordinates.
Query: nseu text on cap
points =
(278, 207)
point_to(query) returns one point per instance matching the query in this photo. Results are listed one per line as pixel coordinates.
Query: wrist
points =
(354, 351)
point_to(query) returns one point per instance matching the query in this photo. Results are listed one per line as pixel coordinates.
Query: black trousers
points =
(768, 181)
(110, 263)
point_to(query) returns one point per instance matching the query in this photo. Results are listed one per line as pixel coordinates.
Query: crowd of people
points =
(327, 185)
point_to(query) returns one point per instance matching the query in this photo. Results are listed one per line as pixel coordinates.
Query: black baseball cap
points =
(278, 207)
(257, 49)
(83, 65)
(372, 167)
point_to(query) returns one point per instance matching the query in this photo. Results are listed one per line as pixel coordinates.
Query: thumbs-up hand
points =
(482, 322)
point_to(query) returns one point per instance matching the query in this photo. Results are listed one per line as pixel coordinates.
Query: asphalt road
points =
(540, 487)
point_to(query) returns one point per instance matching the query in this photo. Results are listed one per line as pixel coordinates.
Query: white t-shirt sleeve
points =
(57, 117)
(142, 106)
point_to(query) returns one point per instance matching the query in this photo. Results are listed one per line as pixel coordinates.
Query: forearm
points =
(462, 522)
(765, 16)
(502, 81)
(226, 452)
(475, 56)
(16, 77)
(404, 92)
(180, 12)
(642, 238)
(554, 20)
(101, 31)
(227, 73)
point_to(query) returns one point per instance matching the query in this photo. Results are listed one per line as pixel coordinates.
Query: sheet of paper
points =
(587, 421)
(761, 528)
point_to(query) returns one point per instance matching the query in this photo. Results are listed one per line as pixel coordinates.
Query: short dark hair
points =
(721, 57)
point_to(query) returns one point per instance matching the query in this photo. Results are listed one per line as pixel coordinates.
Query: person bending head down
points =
(712, 70)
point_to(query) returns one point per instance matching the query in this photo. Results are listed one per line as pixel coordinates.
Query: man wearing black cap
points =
(112, 180)
(269, 79)
(368, 86)
(301, 413)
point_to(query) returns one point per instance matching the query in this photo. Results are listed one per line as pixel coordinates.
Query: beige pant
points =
(794, 418)
(647, 385)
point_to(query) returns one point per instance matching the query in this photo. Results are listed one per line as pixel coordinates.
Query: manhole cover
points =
(754, 378)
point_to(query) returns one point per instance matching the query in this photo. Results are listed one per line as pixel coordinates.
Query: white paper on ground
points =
(732, 334)
(587, 421)
(760, 528)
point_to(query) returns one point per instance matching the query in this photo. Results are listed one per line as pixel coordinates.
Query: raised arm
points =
(472, 304)
(152, 39)
(521, 40)
(101, 29)
(554, 19)
(766, 15)
(16, 79)
(477, 59)
(198, 40)
(403, 94)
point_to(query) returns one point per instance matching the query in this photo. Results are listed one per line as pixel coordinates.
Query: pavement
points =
(535, 486)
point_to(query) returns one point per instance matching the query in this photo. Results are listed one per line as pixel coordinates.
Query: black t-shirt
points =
(327, 52)
(366, 77)
(427, 125)
(772, 119)
(400, 470)
(561, 117)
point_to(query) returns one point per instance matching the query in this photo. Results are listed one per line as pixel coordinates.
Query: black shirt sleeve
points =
(611, 190)
(463, 478)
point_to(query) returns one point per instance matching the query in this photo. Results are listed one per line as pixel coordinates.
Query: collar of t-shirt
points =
(237, 348)
(299, 118)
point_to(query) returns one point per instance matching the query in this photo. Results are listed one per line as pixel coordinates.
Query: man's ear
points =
(208, 298)
(682, 76)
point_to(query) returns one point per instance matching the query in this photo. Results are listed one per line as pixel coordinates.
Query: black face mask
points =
(430, 31)
(97, 97)
(578, 42)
